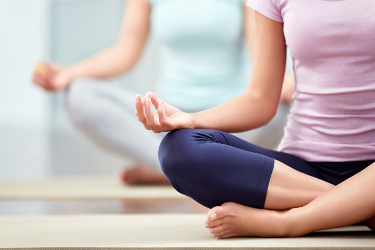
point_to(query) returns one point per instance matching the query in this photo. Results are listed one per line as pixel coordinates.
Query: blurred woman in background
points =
(203, 64)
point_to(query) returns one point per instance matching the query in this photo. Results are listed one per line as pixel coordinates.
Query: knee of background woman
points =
(79, 101)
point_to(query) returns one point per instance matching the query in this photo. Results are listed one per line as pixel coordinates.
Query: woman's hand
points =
(166, 117)
(51, 77)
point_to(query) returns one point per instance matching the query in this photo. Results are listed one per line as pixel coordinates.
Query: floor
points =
(34, 154)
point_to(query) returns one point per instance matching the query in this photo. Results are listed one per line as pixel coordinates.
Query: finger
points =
(139, 112)
(41, 77)
(39, 71)
(154, 99)
(162, 116)
(139, 109)
(147, 127)
(41, 68)
(144, 99)
(39, 80)
(150, 121)
(147, 96)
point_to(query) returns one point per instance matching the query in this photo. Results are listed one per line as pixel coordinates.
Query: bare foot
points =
(141, 175)
(234, 220)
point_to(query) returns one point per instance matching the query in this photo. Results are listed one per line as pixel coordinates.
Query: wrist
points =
(194, 120)
(72, 73)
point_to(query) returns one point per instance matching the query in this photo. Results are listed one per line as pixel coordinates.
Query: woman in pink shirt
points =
(323, 174)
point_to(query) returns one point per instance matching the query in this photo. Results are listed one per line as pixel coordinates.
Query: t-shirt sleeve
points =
(268, 8)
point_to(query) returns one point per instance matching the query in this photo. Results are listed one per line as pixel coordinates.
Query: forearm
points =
(253, 109)
(242, 113)
(124, 54)
(111, 62)
(348, 203)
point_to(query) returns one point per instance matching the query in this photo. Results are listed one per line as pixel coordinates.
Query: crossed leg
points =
(313, 205)
(213, 167)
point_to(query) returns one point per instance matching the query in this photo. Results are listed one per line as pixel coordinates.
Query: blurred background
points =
(37, 141)
(36, 138)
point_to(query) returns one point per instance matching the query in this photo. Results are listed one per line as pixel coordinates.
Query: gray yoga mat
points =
(167, 231)
(81, 188)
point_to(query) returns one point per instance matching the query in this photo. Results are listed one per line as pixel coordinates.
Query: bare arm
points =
(115, 60)
(250, 33)
(249, 30)
(124, 54)
(257, 106)
(253, 109)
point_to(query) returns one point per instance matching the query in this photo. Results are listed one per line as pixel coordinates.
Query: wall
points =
(23, 40)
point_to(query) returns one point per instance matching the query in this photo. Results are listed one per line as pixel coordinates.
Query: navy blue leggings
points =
(214, 167)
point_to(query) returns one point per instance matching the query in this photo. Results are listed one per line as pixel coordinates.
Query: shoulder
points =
(268, 8)
(157, 1)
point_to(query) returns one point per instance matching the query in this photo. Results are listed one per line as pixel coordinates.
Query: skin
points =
(296, 204)
(120, 58)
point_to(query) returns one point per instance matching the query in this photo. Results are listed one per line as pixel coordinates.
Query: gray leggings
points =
(106, 114)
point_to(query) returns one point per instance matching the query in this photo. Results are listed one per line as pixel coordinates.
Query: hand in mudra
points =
(51, 77)
(165, 118)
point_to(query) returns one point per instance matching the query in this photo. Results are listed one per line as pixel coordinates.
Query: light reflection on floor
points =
(131, 206)
(34, 154)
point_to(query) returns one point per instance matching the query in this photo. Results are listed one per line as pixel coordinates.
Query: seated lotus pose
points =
(203, 63)
(323, 174)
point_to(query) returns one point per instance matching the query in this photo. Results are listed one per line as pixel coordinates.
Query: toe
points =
(215, 223)
(215, 213)
(226, 236)
(223, 233)
(217, 230)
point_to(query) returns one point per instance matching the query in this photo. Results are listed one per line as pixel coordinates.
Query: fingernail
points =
(148, 102)
(137, 98)
(160, 104)
(147, 94)
(213, 216)
(206, 224)
(211, 230)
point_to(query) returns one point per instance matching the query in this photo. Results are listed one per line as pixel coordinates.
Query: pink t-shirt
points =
(332, 43)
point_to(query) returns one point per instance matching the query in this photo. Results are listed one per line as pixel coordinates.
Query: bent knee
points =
(172, 150)
(79, 101)
(181, 150)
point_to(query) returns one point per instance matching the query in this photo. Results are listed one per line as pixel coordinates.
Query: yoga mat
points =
(167, 231)
(81, 188)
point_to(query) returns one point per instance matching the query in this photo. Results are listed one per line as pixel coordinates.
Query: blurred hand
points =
(51, 77)
(287, 91)
(166, 117)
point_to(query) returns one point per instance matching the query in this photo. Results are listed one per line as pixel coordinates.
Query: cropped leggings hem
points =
(214, 167)
(204, 165)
